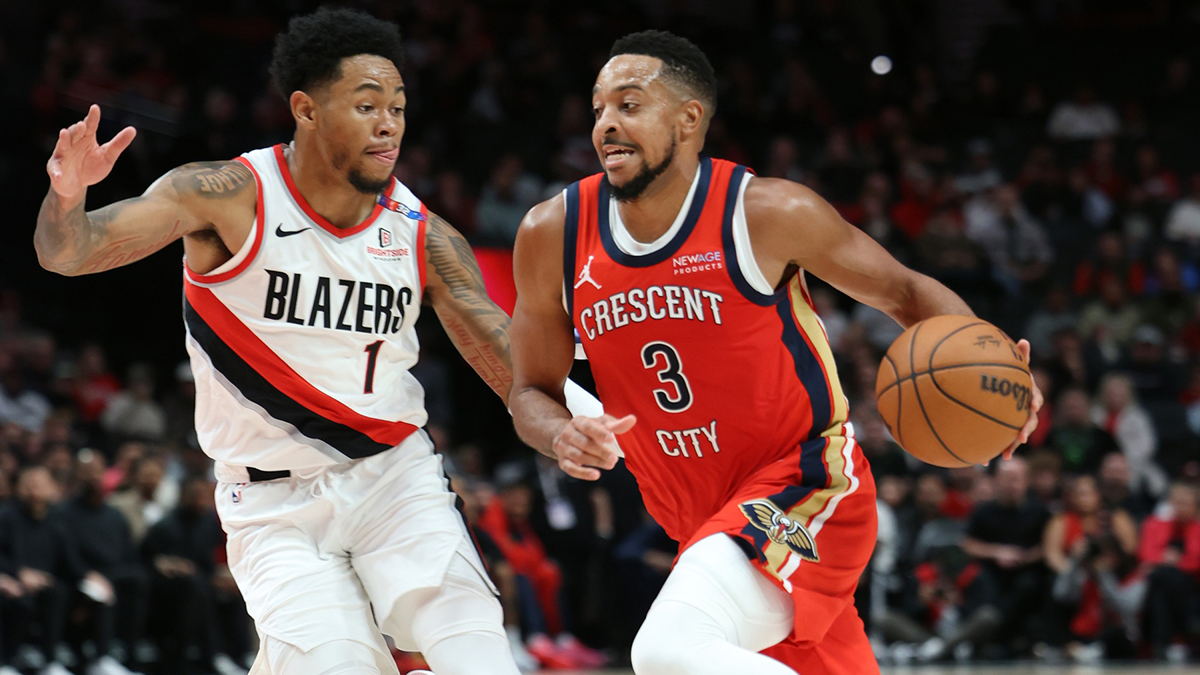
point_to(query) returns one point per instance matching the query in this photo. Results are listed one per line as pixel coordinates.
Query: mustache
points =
(624, 144)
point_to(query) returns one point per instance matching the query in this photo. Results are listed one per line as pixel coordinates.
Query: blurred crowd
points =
(1006, 148)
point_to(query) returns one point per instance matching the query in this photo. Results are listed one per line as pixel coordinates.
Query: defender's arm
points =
(71, 241)
(476, 325)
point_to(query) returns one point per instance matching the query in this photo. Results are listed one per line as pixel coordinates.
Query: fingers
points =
(574, 470)
(117, 145)
(1023, 347)
(582, 450)
(91, 122)
(618, 426)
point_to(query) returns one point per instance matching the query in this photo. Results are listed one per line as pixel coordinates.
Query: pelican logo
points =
(764, 515)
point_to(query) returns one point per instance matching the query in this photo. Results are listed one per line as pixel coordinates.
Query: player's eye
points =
(596, 110)
(397, 111)
(365, 108)
(628, 105)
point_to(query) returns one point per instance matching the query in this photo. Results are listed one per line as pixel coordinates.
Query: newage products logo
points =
(697, 262)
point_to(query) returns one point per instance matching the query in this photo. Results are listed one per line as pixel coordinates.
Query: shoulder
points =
(771, 198)
(544, 224)
(211, 179)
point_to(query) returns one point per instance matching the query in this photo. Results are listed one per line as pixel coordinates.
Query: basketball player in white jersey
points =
(306, 266)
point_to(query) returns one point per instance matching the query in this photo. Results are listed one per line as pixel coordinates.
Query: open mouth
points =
(616, 155)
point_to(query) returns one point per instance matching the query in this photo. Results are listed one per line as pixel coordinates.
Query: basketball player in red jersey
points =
(684, 278)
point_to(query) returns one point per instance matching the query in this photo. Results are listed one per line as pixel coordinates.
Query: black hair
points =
(682, 61)
(310, 52)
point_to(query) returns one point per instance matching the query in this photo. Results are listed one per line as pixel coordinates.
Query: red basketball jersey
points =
(725, 380)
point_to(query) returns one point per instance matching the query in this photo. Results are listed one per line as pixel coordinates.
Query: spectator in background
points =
(19, 404)
(118, 474)
(1108, 262)
(1154, 379)
(1016, 243)
(1119, 414)
(181, 552)
(1111, 319)
(1005, 536)
(506, 521)
(1183, 221)
(93, 385)
(133, 414)
(1082, 118)
(105, 545)
(1054, 315)
(139, 500)
(1158, 182)
(980, 175)
(1116, 487)
(505, 198)
(1170, 554)
(179, 408)
(37, 549)
(1075, 437)
(1087, 548)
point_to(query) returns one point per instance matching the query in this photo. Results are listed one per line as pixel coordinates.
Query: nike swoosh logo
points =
(280, 232)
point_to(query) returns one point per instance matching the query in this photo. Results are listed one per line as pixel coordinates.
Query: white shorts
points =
(327, 554)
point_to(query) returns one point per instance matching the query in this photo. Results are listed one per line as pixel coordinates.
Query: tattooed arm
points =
(185, 201)
(455, 287)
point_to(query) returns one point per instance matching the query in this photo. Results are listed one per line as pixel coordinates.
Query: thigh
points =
(844, 650)
(296, 592)
(715, 576)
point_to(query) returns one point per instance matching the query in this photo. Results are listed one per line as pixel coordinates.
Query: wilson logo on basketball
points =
(1006, 388)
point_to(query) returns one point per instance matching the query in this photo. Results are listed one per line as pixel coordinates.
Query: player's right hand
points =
(588, 444)
(79, 160)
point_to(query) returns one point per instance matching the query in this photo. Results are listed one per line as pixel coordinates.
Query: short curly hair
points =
(682, 60)
(309, 54)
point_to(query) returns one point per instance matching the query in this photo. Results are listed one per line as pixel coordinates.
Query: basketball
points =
(954, 391)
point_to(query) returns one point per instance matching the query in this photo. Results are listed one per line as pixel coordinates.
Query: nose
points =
(606, 123)
(389, 125)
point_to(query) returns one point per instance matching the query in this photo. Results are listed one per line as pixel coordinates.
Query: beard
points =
(643, 178)
(365, 184)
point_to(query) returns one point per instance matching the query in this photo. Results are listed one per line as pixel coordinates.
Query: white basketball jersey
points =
(301, 344)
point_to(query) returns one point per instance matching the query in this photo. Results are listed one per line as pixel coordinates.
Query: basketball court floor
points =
(1008, 669)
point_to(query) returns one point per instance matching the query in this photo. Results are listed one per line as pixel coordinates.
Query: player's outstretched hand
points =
(79, 160)
(1035, 406)
(588, 444)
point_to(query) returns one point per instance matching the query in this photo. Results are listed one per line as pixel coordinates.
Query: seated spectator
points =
(643, 559)
(19, 403)
(138, 501)
(1108, 261)
(1082, 118)
(1016, 243)
(506, 520)
(1075, 438)
(133, 414)
(980, 175)
(1155, 379)
(1111, 319)
(1160, 183)
(105, 545)
(1045, 478)
(508, 194)
(1119, 414)
(194, 603)
(1117, 490)
(1053, 315)
(1183, 221)
(1005, 536)
(1095, 595)
(1170, 556)
(39, 550)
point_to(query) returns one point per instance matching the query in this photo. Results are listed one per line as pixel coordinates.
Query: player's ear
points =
(304, 109)
(691, 116)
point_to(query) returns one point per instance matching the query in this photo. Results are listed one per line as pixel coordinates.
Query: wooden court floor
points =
(1008, 669)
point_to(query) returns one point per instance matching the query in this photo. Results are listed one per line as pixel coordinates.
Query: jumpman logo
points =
(586, 275)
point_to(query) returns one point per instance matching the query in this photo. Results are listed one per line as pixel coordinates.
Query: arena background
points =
(1040, 157)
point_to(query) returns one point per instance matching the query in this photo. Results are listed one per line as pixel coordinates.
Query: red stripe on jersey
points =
(267, 363)
(318, 218)
(421, 245)
(260, 225)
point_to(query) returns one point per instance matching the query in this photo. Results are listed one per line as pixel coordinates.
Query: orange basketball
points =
(954, 391)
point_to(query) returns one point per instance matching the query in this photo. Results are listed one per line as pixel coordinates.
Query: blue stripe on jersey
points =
(570, 237)
(808, 366)
(257, 389)
(672, 247)
(727, 241)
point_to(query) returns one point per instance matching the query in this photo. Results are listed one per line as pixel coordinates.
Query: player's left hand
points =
(1034, 407)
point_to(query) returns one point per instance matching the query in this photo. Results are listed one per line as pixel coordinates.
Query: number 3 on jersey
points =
(670, 372)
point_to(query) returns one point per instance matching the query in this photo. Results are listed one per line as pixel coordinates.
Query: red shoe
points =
(582, 654)
(550, 655)
(408, 662)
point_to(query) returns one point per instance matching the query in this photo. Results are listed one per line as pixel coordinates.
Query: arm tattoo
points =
(476, 325)
(73, 241)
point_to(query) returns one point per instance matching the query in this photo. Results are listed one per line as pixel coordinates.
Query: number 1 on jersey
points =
(671, 373)
(372, 351)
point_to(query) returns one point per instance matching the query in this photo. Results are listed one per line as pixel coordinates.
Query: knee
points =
(339, 657)
(657, 652)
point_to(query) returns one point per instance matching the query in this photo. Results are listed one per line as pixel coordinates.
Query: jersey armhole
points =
(739, 252)
(249, 249)
(570, 241)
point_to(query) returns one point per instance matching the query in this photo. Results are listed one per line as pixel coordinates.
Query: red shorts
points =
(813, 536)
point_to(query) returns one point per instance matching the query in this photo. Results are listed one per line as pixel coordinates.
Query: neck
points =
(329, 194)
(649, 216)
